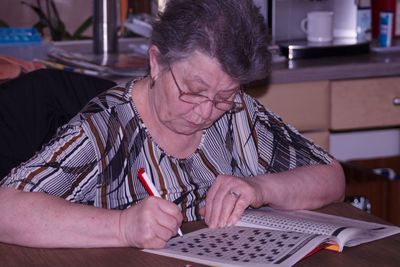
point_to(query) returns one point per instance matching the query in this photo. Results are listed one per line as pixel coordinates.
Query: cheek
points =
(168, 106)
(216, 114)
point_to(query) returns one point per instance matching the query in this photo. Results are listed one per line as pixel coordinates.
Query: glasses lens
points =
(193, 98)
(223, 105)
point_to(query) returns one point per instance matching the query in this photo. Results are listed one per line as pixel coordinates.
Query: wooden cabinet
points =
(363, 105)
(363, 182)
(302, 105)
(321, 109)
(383, 193)
(366, 103)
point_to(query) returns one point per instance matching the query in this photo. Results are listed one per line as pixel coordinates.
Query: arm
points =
(41, 220)
(307, 187)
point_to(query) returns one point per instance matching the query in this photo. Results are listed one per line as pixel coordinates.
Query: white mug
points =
(318, 25)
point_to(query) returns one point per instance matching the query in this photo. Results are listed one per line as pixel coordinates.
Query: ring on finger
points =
(234, 194)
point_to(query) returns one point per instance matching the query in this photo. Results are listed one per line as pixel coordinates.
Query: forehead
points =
(201, 68)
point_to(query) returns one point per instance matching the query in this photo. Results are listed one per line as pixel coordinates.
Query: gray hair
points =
(232, 31)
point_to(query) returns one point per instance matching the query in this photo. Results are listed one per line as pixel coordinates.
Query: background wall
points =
(72, 13)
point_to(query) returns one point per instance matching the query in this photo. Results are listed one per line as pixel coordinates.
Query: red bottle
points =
(377, 7)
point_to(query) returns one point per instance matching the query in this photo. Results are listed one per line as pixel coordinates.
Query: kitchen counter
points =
(374, 64)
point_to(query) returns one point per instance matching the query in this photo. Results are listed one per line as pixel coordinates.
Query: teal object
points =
(10, 36)
(385, 29)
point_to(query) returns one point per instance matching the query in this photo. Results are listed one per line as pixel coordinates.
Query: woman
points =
(192, 129)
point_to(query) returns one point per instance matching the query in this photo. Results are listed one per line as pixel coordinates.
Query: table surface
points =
(384, 252)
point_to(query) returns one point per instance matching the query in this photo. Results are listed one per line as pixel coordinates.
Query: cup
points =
(318, 25)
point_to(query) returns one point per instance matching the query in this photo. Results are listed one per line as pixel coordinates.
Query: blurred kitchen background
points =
(343, 94)
(282, 16)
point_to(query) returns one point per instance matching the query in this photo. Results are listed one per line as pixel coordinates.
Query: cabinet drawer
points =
(303, 105)
(365, 103)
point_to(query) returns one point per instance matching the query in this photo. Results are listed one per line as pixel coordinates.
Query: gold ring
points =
(234, 194)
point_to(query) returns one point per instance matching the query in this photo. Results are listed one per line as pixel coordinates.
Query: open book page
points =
(267, 237)
(349, 232)
(242, 246)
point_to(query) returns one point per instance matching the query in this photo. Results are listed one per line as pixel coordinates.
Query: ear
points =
(155, 67)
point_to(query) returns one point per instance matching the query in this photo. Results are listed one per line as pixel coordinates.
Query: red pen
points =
(147, 183)
(150, 187)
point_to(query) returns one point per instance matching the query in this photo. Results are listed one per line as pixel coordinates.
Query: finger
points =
(229, 203)
(151, 235)
(155, 243)
(169, 222)
(165, 233)
(210, 200)
(240, 206)
(202, 211)
(217, 207)
(167, 217)
(169, 207)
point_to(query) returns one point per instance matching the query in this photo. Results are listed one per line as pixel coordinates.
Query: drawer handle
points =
(396, 101)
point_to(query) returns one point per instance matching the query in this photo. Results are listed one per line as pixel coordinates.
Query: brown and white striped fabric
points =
(94, 158)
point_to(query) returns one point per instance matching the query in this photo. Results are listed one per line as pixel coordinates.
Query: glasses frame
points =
(235, 106)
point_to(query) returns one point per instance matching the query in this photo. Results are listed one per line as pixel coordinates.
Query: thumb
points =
(202, 211)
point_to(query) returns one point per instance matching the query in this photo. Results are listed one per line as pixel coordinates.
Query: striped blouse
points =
(94, 159)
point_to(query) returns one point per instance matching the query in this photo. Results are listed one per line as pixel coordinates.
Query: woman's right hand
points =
(150, 223)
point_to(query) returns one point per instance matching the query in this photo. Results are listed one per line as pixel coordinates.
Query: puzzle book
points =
(267, 237)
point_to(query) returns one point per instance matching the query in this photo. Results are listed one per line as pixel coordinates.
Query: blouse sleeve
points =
(281, 147)
(65, 167)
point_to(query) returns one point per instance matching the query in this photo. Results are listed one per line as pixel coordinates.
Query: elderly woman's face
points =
(193, 93)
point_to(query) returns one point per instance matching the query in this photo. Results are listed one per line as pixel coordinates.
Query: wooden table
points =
(384, 252)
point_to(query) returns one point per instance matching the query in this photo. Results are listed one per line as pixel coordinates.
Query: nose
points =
(204, 109)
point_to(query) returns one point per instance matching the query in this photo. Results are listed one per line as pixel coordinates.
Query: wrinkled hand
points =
(150, 223)
(227, 199)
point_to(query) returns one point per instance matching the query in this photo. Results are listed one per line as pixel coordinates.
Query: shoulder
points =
(256, 112)
(118, 96)
(115, 96)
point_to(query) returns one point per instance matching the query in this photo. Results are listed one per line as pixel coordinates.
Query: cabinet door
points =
(365, 103)
(321, 138)
(302, 105)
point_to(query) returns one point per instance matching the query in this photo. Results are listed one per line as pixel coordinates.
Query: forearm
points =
(41, 220)
(307, 187)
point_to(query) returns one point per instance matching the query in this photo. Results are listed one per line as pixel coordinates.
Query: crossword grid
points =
(240, 244)
(290, 224)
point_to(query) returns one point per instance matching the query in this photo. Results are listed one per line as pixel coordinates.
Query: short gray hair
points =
(232, 31)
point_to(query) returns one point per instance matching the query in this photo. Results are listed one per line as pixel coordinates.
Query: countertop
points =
(374, 64)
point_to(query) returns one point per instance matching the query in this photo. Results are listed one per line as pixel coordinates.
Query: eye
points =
(194, 89)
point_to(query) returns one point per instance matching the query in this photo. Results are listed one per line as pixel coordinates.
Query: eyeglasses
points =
(219, 102)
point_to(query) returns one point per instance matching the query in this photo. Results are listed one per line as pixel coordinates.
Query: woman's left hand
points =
(227, 199)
